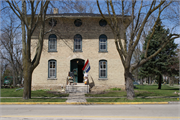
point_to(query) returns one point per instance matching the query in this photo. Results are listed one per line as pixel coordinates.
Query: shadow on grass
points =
(169, 89)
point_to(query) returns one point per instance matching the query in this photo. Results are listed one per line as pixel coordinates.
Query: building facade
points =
(74, 39)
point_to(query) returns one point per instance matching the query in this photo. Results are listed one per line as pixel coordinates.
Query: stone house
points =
(75, 38)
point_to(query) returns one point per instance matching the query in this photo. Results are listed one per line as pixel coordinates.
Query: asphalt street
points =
(90, 112)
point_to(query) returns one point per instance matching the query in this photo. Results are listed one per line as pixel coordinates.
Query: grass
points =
(134, 100)
(11, 92)
(108, 94)
(141, 90)
(32, 100)
(151, 90)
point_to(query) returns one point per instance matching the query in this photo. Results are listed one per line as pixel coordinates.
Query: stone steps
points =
(77, 88)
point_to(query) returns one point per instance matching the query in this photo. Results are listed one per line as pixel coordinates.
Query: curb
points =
(85, 103)
(175, 102)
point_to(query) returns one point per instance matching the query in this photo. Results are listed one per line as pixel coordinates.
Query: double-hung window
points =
(52, 68)
(52, 43)
(77, 43)
(102, 43)
(102, 69)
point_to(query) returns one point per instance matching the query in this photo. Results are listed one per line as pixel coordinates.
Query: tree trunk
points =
(27, 85)
(171, 81)
(14, 78)
(129, 85)
(148, 80)
(21, 78)
(27, 81)
(151, 80)
(17, 78)
(160, 81)
(141, 81)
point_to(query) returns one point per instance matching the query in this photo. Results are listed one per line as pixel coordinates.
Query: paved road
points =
(90, 112)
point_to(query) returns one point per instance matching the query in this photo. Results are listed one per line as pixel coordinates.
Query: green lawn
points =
(141, 90)
(11, 92)
(32, 100)
(134, 100)
(151, 90)
(121, 93)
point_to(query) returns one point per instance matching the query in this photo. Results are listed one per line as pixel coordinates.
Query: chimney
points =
(55, 10)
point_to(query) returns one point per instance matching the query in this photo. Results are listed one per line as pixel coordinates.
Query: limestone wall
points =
(90, 32)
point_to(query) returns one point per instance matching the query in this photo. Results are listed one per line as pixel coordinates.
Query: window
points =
(102, 43)
(77, 22)
(52, 43)
(52, 68)
(102, 22)
(102, 69)
(77, 43)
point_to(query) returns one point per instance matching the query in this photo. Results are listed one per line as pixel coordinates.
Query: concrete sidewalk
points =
(76, 97)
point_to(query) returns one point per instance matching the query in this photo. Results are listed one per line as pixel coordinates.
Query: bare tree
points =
(139, 16)
(11, 46)
(3, 64)
(37, 16)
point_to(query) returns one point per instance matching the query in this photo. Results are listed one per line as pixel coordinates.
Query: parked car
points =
(8, 80)
(135, 83)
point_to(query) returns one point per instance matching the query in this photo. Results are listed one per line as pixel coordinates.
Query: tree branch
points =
(104, 16)
(37, 56)
(143, 24)
(139, 13)
(134, 66)
(124, 30)
(120, 52)
(110, 15)
(147, 46)
(13, 9)
(117, 31)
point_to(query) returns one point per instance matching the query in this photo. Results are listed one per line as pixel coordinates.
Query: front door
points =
(76, 66)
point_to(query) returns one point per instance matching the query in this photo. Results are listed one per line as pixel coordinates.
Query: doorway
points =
(76, 66)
